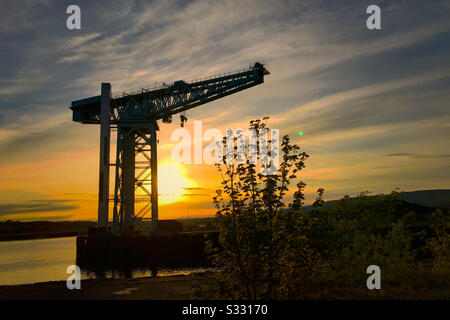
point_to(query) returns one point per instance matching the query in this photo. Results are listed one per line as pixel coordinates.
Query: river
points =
(30, 261)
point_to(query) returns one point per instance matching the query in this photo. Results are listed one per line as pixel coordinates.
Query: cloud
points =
(398, 154)
(81, 40)
(43, 140)
(24, 12)
(40, 205)
(419, 156)
(48, 218)
(323, 104)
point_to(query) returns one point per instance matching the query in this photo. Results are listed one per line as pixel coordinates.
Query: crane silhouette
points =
(135, 116)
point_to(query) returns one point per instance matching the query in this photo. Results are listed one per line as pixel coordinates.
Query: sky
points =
(373, 104)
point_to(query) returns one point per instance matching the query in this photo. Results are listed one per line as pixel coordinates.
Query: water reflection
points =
(140, 273)
(30, 261)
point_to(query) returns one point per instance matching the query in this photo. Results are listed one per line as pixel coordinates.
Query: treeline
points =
(17, 230)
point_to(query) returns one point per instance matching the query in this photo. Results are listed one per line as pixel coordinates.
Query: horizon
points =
(93, 219)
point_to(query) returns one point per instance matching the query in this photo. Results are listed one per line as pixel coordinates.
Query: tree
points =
(263, 250)
(439, 244)
(319, 200)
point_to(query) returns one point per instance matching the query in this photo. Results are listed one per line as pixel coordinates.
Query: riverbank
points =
(180, 287)
(17, 230)
(36, 236)
(161, 288)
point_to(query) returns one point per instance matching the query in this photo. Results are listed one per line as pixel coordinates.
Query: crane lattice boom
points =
(162, 103)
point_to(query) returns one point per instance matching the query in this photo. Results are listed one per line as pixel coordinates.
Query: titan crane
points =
(135, 117)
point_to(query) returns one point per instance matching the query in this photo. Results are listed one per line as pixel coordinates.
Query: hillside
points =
(420, 198)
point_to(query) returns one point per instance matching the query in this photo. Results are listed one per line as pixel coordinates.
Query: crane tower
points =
(134, 116)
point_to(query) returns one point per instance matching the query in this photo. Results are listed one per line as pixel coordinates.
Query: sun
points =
(172, 182)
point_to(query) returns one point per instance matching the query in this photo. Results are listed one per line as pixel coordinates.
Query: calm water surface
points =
(30, 261)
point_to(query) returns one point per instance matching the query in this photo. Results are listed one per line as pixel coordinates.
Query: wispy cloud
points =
(418, 156)
(33, 206)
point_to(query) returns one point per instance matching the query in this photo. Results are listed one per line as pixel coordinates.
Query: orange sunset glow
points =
(370, 120)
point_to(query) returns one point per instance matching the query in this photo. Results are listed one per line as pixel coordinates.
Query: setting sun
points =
(172, 182)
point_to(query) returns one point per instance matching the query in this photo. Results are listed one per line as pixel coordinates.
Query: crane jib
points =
(163, 102)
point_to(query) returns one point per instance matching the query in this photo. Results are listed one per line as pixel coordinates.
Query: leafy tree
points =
(319, 200)
(263, 250)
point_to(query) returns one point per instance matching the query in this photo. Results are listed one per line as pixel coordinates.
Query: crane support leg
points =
(154, 179)
(136, 183)
(103, 190)
(128, 175)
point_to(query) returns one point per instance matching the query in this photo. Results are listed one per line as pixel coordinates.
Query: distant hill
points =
(426, 198)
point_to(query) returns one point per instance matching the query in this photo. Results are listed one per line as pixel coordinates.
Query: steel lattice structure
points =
(135, 116)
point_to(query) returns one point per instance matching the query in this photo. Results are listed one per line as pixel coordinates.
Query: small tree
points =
(319, 200)
(263, 250)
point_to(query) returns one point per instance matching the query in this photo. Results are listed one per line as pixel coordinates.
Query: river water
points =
(30, 261)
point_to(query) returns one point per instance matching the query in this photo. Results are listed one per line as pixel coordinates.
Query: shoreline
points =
(37, 236)
(176, 287)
